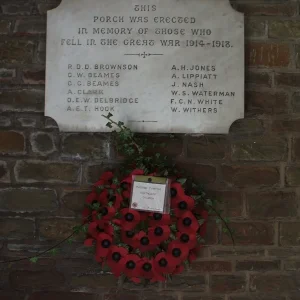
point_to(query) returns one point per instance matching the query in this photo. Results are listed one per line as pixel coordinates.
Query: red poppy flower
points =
(177, 252)
(103, 197)
(105, 179)
(182, 204)
(130, 218)
(162, 264)
(91, 197)
(103, 245)
(143, 243)
(147, 270)
(194, 253)
(129, 265)
(178, 270)
(89, 242)
(107, 213)
(159, 234)
(114, 256)
(99, 226)
(128, 237)
(176, 192)
(187, 239)
(188, 223)
(157, 219)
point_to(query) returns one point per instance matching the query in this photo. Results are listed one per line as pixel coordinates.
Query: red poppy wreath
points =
(137, 244)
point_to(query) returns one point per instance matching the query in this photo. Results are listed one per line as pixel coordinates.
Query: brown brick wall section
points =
(45, 174)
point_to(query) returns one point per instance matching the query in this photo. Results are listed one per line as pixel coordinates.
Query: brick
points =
(258, 265)
(289, 234)
(284, 29)
(85, 146)
(191, 296)
(93, 172)
(211, 237)
(231, 202)
(53, 172)
(5, 121)
(78, 266)
(284, 252)
(296, 102)
(34, 76)
(296, 149)
(13, 9)
(274, 283)
(272, 204)
(251, 9)
(211, 266)
(184, 282)
(257, 297)
(7, 74)
(114, 295)
(247, 126)
(227, 283)
(255, 27)
(16, 228)
(44, 7)
(63, 296)
(292, 176)
(27, 200)
(156, 296)
(74, 200)
(253, 233)
(292, 265)
(30, 26)
(27, 122)
(281, 126)
(26, 280)
(246, 176)
(233, 252)
(202, 173)
(287, 79)
(11, 295)
(94, 281)
(258, 78)
(4, 172)
(50, 123)
(5, 26)
(14, 51)
(22, 100)
(11, 142)
(42, 143)
(56, 229)
(207, 147)
(263, 148)
(267, 55)
(266, 103)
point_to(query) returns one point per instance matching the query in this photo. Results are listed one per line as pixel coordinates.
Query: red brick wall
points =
(44, 174)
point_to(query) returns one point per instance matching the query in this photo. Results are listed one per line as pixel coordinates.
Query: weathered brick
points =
(42, 143)
(5, 121)
(269, 103)
(274, 283)
(232, 252)
(232, 202)
(287, 79)
(4, 172)
(272, 204)
(255, 27)
(44, 7)
(27, 199)
(93, 172)
(86, 146)
(62, 296)
(56, 229)
(39, 171)
(16, 228)
(296, 103)
(11, 295)
(124, 295)
(28, 280)
(74, 200)
(247, 126)
(278, 9)
(34, 76)
(227, 283)
(257, 297)
(153, 296)
(284, 252)
(284, 29)
(212, 266)
(212, 233)
(22, 100)
(187, 282)
(289, 234)
(27, 122)
(296, 149)
(258, 265)
(5, 26)
(263, 148)
(286, 125)
(267, 55)
(11, 142)
(196, 296)
(245, 176)
(50, 123)
(291, 265)
(7, 74)
(292, 176)
(207, 147)
(94, 281)
(15, 9)
(253, 233)
(16, 51)
(258, 78)
(30, 26)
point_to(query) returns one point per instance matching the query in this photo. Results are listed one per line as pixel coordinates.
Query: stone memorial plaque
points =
(173, 66)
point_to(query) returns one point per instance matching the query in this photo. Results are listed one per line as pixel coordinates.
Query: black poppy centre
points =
(182, 205)
(163, 262)
(187, 221)
(184, 238)
(104, 211)
(130, 234)
(157, 216)
(129, 217)
(130, 265)
(147, 267)
(173, 192)
(145, 241)
(116, 256)
(176, 252)
(106, 243)
(158, 231)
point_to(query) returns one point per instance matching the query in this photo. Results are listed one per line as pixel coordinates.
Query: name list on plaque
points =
(172, 66)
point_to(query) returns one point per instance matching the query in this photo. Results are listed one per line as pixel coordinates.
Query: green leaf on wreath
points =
(182, 181)
(34, 260)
